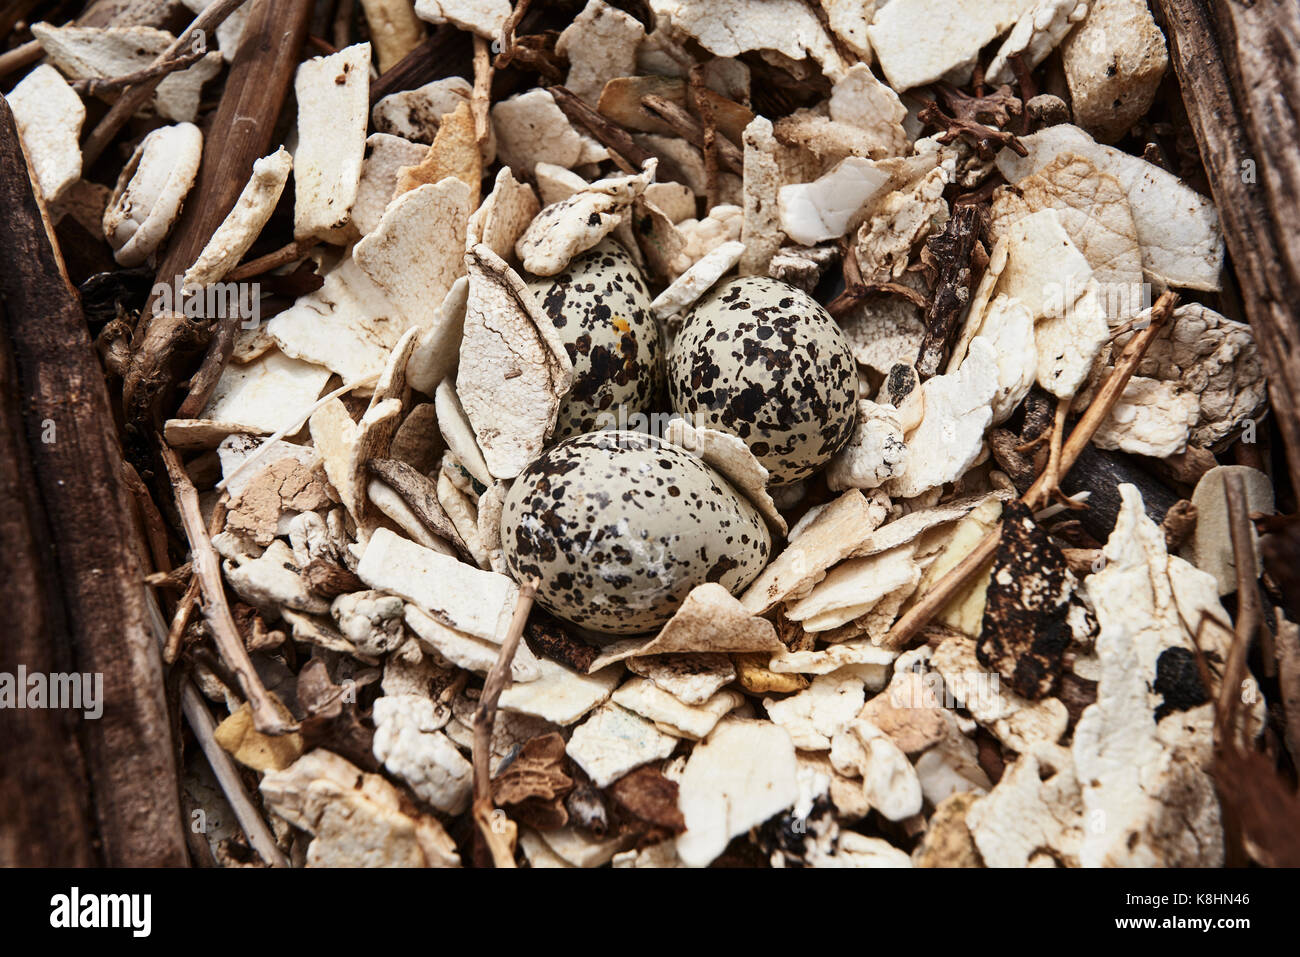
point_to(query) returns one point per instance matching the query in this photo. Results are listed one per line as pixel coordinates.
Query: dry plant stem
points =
(215, 608)
(204, 25)
(20, 56)
(704, 108)
(690, 129)
(485, 717)
(624, 151)
(1053, 471)
(201, 722)
(1249, 613)
(180, 620)
(918, 616)
(507, 38)
(94, 86)
(286, 254)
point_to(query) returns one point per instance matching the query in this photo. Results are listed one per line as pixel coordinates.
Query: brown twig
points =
(1249, 613)
(216, 610)
(95, 86)
(853, 296)
(138, 95)
(507, 38)
(288, 253)
(20, 56)
(485, 717)
(689, 128)
(910, 624)
(627, 155)
(180, 621)
(704, 109)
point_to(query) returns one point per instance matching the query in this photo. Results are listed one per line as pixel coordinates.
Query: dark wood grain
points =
(75, 790)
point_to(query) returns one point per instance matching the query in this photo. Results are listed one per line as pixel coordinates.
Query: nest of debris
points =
(1032, 609)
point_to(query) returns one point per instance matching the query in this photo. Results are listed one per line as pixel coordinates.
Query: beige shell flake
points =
(513, 368)
(150, 190)
(243, 224)
(333, 108)
(105, 52)
(49, 114)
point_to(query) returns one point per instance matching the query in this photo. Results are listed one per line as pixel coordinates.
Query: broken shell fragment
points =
(149, 193)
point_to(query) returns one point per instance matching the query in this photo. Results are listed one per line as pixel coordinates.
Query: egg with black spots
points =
(618, 526)
(600, 307)
(764, 361)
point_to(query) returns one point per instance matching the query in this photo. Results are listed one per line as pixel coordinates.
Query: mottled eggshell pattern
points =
(619, 526)
(600, 307)
(764, 361)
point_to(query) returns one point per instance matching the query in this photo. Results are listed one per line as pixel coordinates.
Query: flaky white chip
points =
(1093, 209)
(958, 409)
(479, 603)
(49, 114)
(833, 535)
(1151, 418)
(709, 620)
(861, 100)
(532, 129)
(347, 325)
(416, 114)
(1114, 62)
(565, 229)
(1035, 35)
(672, 715)
(741, 775)
(150, 190)
(459, 434)
(1177, 227)
(728, 28)
(333, 110)
(468, 651)
(819, 712)
(437, 350)
(1034, 816)
(920, 41)
(875, 453)
(614, 741)
(600, 44)
(416, 252)
(504, 215)
(760, 229)
(485, 18)
(687, 288)
(269, 394)
(829, 206)
(385, 156)
(852, 587)
(243, 224)
(104, 52)
(561, 695)
(513, 367)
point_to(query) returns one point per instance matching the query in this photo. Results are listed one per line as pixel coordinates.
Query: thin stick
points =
(20, 56)
(94, 86)
(918, 616)
(180, 620)
(291, 252)
(215, 608)
(623, 150)
(484, 718)
(136, 96)
(201, 722)
(689, 129)
(1249, 613)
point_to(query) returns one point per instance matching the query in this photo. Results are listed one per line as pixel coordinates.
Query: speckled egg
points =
(600, 306)
(764, 361)
(619, 526)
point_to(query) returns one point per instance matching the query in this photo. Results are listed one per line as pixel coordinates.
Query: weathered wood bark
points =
(239, 134)
(72, 567)
(1238, 64)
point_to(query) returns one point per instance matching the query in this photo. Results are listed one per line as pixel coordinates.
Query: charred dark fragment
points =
(1178, 680)
(1024, 633)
